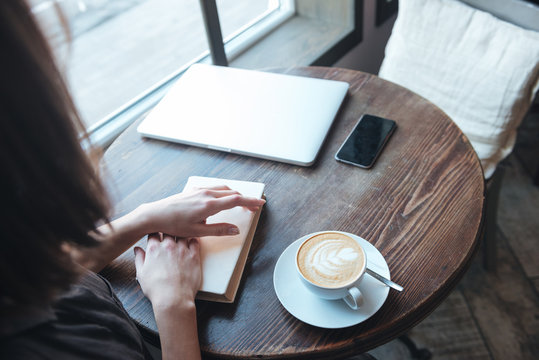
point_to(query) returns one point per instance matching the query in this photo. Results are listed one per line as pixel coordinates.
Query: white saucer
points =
(330, 314)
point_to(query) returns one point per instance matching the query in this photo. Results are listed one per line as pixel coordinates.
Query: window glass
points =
(235, 15)
(121, 48)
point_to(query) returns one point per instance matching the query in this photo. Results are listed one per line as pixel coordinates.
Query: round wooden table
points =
(421, 205)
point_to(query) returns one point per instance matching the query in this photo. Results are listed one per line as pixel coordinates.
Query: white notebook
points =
(224, 257)
(272, 116)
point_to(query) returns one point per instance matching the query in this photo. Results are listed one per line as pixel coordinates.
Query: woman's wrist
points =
(173, 320)
(173, 308)
(145, 219)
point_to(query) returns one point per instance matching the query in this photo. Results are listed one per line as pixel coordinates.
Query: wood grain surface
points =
(421, 205)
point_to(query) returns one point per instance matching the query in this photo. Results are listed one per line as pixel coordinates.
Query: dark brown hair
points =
(51, 194)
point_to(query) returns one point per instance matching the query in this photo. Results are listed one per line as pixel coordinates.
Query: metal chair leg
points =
(493, 185)
(418, 354)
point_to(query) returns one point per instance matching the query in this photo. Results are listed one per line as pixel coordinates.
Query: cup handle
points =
(354, 298)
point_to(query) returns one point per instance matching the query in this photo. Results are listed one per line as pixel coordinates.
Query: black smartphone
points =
(365, 142)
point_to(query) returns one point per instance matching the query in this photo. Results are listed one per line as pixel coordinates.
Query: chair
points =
(478, 60)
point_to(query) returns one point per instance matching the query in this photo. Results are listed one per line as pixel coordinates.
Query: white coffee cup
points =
(331, 265)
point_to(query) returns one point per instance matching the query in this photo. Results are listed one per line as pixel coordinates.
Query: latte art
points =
(331, 260)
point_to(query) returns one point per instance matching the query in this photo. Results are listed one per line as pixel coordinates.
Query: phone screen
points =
(366, 141)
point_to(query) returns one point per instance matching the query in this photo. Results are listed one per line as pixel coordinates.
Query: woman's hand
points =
(169, 273)
(185, 214)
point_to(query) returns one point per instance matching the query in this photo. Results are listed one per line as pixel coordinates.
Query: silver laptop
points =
(271, 116)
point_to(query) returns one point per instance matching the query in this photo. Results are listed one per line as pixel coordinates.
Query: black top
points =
(87, 322)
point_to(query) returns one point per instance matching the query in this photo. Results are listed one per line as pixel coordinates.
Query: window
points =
(124, 54)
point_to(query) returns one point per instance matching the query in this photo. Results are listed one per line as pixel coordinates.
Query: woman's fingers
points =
(221, 229)
(228, 202)
(168, 238)
(217, 187)
(194, 245)
(252, 208)
(140, 256)
(220, 193)
(155, 237)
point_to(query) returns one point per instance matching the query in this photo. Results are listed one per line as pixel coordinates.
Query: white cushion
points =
(482, 71)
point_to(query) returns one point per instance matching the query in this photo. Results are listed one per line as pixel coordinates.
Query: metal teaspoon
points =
(382, 279)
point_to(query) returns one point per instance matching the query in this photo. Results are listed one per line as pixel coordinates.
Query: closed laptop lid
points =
(272, 116)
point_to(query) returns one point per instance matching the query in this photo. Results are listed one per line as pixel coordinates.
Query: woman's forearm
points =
(178, 333)
(114, 239)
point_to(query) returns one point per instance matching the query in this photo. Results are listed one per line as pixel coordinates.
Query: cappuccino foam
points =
(331, 260)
